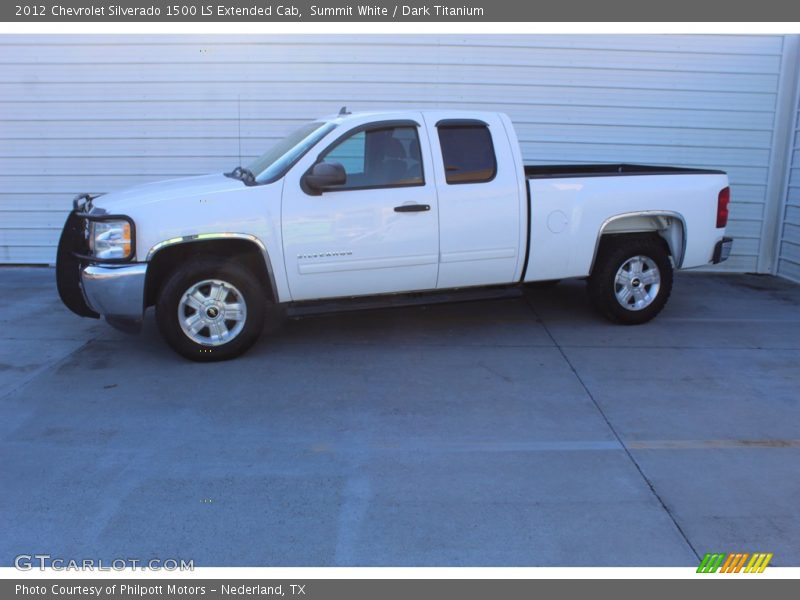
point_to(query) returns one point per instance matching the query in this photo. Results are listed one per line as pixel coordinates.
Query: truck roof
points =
(378, 114)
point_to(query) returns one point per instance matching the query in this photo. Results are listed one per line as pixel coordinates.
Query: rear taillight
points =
(722, 207)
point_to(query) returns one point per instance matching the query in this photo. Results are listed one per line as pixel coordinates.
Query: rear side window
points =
(468, 153)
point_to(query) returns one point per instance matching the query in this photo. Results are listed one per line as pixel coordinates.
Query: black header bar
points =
(457, 11)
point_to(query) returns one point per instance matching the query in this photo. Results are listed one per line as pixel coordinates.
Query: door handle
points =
(412, 208)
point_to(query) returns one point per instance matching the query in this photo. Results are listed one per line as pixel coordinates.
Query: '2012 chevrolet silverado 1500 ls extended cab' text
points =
(375, 205)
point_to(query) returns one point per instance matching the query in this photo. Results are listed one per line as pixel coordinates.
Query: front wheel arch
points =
(243, 251)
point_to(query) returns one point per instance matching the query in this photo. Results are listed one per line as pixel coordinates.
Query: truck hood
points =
(123, 201)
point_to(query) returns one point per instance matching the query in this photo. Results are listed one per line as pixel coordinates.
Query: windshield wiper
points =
(243, 174)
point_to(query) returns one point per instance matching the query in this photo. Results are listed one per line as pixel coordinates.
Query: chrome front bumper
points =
(116, 292)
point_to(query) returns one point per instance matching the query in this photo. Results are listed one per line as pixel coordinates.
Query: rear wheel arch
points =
(668, 226)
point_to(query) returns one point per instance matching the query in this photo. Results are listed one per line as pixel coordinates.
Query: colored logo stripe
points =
(758, 563)
(734, 561)
(710, 563)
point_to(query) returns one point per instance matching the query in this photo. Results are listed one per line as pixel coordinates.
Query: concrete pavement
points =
(510, 432)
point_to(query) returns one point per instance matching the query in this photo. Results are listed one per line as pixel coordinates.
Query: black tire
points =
(239, 281)
(616, 251)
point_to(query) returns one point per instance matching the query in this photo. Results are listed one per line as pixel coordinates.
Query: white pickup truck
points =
(377, 205)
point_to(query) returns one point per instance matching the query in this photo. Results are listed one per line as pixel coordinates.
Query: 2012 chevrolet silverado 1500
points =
(373, 205)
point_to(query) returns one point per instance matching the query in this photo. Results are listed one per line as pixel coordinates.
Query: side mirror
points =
(324, 175)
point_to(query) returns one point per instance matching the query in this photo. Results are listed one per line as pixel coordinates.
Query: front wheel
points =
(211, 309)
(632, 279)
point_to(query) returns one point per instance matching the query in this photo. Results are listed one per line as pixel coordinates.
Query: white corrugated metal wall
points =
(97, 113)
(789, 241)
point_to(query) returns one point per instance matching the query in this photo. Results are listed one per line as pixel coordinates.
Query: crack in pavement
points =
(613, 430)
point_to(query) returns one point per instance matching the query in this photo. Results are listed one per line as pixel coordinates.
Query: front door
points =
(375, 234)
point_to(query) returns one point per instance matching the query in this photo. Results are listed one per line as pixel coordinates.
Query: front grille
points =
(68, 266)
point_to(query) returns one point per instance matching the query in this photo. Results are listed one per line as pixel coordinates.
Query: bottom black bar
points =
(733, 587)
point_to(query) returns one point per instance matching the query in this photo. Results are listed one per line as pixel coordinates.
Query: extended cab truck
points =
(376, 204)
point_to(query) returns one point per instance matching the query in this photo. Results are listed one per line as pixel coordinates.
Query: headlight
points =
(110, 239)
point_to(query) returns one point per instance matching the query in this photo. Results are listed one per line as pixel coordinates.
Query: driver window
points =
(382, 157)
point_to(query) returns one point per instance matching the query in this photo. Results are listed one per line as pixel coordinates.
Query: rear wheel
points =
(632, 278)
(211, 309)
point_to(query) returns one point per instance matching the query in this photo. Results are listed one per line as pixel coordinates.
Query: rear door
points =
(377, 233)
(481, 213)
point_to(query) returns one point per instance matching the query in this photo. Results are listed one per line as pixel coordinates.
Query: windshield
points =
(277, 160)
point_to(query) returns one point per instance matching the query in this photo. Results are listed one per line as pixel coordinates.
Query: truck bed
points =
(567, 219)
(609, 170)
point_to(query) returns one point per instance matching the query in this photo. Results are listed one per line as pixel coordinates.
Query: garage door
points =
(789, 248)
(98, 113)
